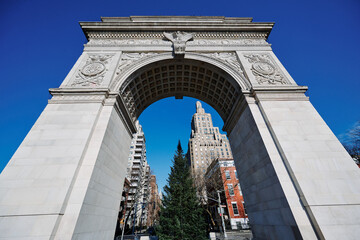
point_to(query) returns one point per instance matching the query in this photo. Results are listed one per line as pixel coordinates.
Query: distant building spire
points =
(199, 108)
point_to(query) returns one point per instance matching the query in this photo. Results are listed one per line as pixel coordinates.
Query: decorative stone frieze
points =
(93, 72)
(222, 42)
(126, 42)
(265, 70)
(162, 42)
(160, 35)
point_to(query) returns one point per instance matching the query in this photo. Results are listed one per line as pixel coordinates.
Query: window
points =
(244, 207)
(235, 208)
(231, 189)
(227, 174)
(236, 174)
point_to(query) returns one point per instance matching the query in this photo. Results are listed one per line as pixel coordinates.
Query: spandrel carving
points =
(93, 72)
(129, 58)
(265, 70)
(229, 58)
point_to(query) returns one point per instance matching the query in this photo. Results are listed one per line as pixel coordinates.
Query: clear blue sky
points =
(317, 42)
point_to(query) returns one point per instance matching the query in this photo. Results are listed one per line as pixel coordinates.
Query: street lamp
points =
(222, 215)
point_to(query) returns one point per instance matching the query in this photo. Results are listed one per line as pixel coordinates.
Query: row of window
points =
(235, 208)
(203, 118)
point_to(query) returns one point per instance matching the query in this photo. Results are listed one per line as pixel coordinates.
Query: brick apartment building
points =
(221, 176)
(154, 203)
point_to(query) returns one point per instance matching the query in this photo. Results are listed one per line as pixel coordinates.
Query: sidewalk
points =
(235, 235)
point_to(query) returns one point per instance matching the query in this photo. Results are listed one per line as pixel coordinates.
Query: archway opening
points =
(190, 78)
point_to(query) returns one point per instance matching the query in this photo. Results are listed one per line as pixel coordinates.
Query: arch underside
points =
(180, 77)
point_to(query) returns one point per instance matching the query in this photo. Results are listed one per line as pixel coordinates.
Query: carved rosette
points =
(265, 70)
(93, 72)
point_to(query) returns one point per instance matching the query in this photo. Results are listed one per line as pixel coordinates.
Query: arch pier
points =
(65, 180)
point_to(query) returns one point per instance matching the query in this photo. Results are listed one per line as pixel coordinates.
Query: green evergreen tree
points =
(181, 216)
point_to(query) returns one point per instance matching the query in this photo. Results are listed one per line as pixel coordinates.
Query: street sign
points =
(220, 210)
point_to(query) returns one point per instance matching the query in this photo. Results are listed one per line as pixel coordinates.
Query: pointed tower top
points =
(199, 108)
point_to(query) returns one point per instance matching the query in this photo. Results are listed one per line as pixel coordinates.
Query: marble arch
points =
(65, 180)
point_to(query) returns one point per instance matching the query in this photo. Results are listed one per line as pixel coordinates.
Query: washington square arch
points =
(65, 180)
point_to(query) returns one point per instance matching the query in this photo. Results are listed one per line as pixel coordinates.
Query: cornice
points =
(94, 95)
(187, 19)
(279, 93)
(78, 95)
(159, 24)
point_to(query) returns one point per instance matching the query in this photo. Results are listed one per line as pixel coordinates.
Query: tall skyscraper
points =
(206, 143)
(213, 169)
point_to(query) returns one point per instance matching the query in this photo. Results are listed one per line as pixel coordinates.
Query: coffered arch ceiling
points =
(180, 77)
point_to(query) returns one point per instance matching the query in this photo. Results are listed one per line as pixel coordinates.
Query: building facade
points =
(123, 208)
(221, 176)
(206, 143)
(138, 173)
(154, 203)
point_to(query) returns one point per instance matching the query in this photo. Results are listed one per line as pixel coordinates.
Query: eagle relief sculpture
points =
(179, 40)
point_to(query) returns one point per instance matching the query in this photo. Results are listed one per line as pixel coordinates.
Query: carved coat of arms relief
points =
(93, 72)
(265, 70)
